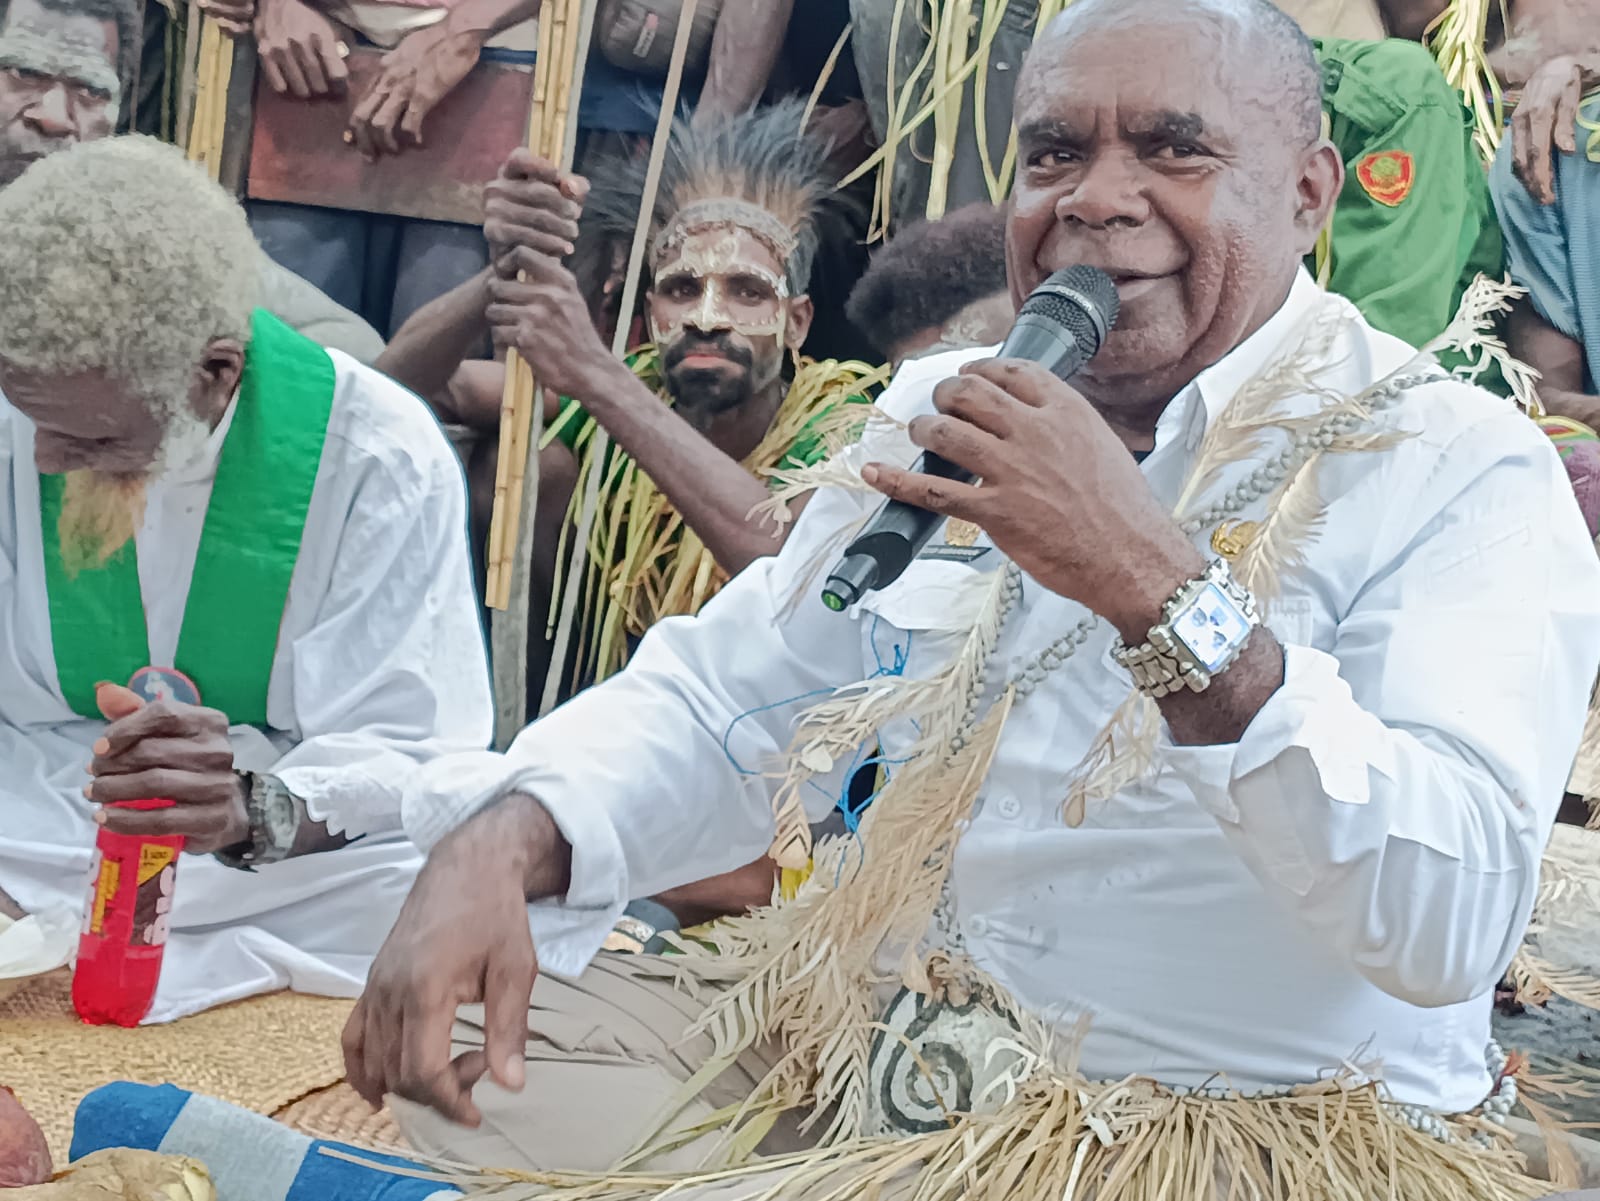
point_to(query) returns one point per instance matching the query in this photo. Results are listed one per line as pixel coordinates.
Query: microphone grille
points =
(1081, 299)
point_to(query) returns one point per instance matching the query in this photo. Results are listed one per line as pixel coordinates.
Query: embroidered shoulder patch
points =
(1387, 176)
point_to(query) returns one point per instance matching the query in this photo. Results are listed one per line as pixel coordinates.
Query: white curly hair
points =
(120, 256)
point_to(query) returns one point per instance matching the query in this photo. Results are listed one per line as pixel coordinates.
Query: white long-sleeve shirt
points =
(380, 667)
(1344, 885)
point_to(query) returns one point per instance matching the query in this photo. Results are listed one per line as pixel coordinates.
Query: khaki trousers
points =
(606, 1055)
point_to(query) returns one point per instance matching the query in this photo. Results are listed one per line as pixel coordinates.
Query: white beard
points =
(101, 512)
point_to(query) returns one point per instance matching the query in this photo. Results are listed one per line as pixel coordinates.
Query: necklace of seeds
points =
(1262, 481)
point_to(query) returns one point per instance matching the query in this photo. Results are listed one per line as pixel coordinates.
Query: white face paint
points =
(715, 283)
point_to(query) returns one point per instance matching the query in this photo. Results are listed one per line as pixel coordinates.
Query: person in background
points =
(1546, 186)
(263, 538)
(937, 286)
(1414, 225)
(64, 67)
(698, 420)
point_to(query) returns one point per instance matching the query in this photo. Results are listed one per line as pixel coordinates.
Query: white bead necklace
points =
(1260, 482)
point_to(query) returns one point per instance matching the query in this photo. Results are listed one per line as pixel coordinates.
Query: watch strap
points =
(263, 846)
(1162, 664)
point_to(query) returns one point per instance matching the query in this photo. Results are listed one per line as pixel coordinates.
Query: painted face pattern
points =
(710, 286)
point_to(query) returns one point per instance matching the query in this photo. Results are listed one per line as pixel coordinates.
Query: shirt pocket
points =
(917, 624)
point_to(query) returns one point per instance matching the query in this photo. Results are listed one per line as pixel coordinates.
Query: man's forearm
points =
(491, 16)
(435, 340)
(713, 492)
(744, 49)
(9, 908)
(1221, 714)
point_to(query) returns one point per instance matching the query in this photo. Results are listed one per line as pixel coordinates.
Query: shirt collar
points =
(1215, 387)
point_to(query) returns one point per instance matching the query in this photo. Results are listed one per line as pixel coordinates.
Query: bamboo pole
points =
(553, 133)
(188, 73)
(213, 75)
(619, 347)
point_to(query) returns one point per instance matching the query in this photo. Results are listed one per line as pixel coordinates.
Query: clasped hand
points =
(536, 307)
(167, 751)
(1060, 494)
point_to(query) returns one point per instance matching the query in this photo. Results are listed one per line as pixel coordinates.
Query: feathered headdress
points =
(758, 171)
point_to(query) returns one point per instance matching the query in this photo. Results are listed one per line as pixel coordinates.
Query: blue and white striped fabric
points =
(251, 1158)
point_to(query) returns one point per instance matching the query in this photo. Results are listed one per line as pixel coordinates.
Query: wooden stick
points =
(619, 347)
(552, 131)
(213, 74)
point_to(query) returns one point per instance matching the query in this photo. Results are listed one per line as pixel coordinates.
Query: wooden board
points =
(298, 153)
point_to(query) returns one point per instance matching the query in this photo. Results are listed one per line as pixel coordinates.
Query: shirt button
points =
(1010, 808)
(978, 926)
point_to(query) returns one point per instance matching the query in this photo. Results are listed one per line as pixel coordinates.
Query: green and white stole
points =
(248, 546)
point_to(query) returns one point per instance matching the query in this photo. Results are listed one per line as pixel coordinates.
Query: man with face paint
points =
(1225, 721)
(260, 537)
(63, 64)
(741, 208)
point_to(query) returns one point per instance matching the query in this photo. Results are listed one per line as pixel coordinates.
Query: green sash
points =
(248, 546)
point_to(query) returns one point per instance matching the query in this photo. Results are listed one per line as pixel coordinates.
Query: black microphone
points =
(1061, 325)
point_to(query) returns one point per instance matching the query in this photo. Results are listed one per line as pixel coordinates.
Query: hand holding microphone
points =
(1061, 325)
(1062, 497)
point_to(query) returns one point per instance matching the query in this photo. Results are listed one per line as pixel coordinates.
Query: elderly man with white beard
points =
(265, 539)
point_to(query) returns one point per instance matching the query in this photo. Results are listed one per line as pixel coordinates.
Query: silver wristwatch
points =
(276, 816)
(1202, 630)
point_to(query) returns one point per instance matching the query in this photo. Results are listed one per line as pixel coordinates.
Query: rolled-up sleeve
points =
(1397, 791)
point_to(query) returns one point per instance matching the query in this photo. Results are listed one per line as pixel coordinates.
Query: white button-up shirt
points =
(380, 665)
(1345, 885)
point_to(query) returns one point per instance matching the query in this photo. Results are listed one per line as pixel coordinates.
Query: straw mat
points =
(262, 1054)
(338, 1113)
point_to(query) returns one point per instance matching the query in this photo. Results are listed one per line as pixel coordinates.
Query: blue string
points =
(899, 655)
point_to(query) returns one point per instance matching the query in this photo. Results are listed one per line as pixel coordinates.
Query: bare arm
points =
(9, 908)
(743, 51)
(1559, 361)
(427, 350)
(713, 492)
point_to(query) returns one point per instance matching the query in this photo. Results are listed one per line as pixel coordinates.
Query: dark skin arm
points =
(713, 492)
(1065, 501)
(427, 350)
(423, 69)
(1559, 361)
(462, 936)
(179, 753)
(744, 49)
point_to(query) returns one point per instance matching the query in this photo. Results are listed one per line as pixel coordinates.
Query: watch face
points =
(279, 812)
(1210, 626)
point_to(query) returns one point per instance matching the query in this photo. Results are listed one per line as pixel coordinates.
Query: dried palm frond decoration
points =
(1457, 38)
(960, 37)
(1561, 956)
(643, 563)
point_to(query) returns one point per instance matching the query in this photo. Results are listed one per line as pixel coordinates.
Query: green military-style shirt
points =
(1414, 225)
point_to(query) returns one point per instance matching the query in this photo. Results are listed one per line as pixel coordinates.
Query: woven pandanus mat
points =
(338, 1113)
(262, 1054)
